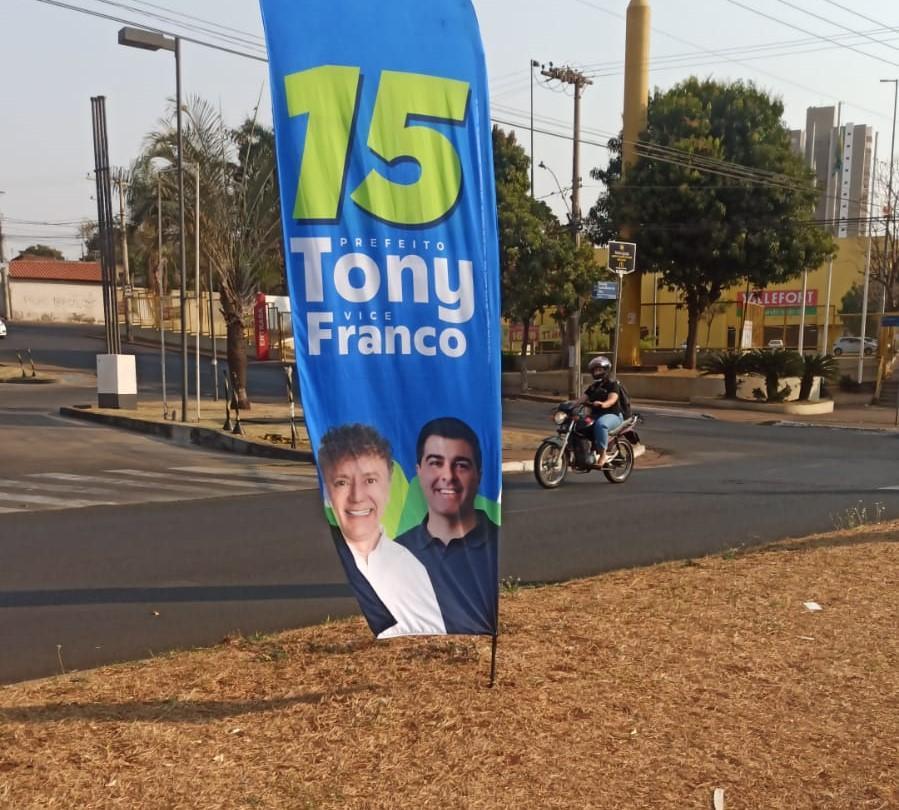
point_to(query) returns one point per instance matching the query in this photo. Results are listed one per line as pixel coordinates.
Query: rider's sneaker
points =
(606, 457)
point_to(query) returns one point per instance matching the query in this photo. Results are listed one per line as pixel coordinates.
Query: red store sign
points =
(780, 298)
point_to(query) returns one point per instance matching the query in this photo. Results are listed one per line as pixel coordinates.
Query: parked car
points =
(775, 345)
(850, 345)
(2, 328)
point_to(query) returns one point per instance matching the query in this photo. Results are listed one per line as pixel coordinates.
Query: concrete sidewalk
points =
(851, 411)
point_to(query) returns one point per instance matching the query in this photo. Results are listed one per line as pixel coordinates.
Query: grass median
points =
(645, 688)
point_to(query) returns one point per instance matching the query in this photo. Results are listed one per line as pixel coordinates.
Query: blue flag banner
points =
(388, 204)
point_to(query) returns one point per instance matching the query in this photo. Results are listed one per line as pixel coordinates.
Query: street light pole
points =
(558, 186)
(197, 278)
(151, 41)
(890, 235)
(182, 245)
(864, 324)
(534, 63)
(161, 277)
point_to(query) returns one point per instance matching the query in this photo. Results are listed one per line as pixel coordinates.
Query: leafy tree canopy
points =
(40, 251)
(541, 267)
(715, 197)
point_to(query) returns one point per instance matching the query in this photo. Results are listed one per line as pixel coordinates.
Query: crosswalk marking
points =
(64, 490)
(255, 473)
(43, 486)
(46, 500)
(120, 482)
(217, 481)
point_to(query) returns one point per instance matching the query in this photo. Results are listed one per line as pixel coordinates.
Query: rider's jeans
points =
(602, 426)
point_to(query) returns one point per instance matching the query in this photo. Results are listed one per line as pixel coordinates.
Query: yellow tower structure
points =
(636, 103)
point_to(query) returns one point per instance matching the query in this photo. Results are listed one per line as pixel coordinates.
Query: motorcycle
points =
(572, 447)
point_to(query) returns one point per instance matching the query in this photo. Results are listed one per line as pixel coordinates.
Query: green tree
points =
(540, 266)
(707, 225)
(240, 235)
(40, 251)
(851, 308)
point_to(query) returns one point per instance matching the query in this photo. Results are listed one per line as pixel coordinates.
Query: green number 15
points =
(329, 96)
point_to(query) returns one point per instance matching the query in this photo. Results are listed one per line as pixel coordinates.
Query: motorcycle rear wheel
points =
(550, 465)
(619, 469)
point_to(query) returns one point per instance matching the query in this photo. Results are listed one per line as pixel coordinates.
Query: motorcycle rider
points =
(603, 396)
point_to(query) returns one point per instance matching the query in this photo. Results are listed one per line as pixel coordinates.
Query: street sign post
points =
(622, 257)
(622, 260)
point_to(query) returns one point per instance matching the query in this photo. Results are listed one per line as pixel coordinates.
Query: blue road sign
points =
(888, 320)
(605, 291)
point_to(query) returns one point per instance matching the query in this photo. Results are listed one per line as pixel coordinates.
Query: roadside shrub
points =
(773, 366)
(816, 365)
(729, 364)
(677, 362)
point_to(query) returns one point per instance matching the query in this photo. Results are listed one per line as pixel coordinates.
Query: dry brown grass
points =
(636, 689)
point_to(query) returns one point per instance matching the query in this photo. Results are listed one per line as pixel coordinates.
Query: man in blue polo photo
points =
(456, 543)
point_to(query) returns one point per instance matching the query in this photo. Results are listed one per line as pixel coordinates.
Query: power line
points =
(831, 22)
(857, 13)
(811, 33)
(689, 159)
(703, 49)
(608, 72)
(240, 40)
(199, 19)
(759, 50)
(192, 40)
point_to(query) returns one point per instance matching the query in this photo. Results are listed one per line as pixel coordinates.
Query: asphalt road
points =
(76, 347)
(195, 545)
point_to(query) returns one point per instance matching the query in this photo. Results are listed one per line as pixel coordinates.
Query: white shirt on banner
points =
(403, 585)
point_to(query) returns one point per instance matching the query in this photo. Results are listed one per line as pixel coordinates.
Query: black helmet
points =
(599, 367)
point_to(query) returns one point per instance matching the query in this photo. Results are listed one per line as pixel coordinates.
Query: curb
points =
(831, 426)
(186, 435)
(518, 466)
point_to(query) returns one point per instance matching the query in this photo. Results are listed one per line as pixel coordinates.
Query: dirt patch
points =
(637, 689)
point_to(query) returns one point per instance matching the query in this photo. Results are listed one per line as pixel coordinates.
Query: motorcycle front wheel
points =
(550, 465)
(618, 470)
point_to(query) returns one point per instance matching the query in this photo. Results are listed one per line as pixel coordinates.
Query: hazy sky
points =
(52, 60)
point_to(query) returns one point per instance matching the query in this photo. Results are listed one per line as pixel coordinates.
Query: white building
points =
(841, 158)
(52, 290)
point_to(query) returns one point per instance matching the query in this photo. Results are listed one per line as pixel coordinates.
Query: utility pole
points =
(568, 75)
(119, 180)
(890, 240)
(831, 213)
(4, 275)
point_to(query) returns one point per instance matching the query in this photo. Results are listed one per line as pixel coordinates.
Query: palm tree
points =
(816, 365)
(239, 210)
(730, 364)
(774, 365)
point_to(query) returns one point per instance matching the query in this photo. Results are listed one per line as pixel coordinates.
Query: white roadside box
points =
(116, 381)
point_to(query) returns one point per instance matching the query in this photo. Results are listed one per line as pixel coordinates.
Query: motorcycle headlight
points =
(559, 417)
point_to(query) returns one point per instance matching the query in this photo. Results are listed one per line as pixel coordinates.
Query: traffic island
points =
(261, 435)
(18, 375)
(793, 408)
(770, 674)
